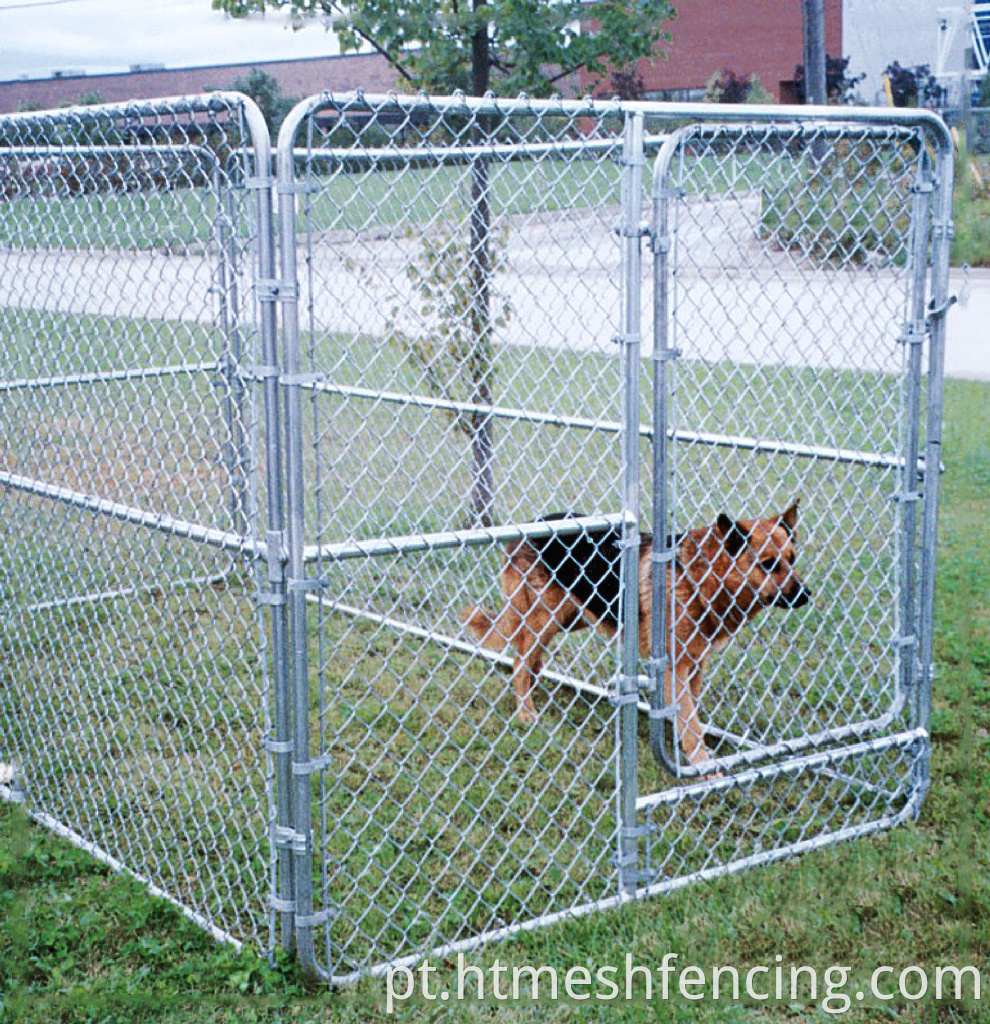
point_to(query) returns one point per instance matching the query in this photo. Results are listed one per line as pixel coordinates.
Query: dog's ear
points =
(733, 536)
(788, 518)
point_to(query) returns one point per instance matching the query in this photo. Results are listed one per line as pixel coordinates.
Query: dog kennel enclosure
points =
(270, 416)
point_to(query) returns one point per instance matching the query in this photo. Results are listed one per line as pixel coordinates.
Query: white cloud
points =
(37, 38)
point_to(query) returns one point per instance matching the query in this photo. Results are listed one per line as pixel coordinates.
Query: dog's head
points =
(762, 554)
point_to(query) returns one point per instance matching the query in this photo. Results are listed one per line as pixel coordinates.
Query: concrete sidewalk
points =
(562, 292)
(967, 346)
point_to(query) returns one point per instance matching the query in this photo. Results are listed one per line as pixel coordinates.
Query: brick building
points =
(296, 78)
(759, 37)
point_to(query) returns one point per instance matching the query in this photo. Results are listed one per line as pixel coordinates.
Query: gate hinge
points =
(289, 838)
(660, 244)
(656, 667)
(907, 497)
(318, 764)
(620, 700)
(274, 746)
(277, 556)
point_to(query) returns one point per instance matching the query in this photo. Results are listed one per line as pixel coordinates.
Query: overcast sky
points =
(38, 37)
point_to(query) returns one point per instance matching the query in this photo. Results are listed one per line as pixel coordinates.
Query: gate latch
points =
(937, 312)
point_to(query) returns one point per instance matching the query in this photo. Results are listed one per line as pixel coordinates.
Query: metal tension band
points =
(275, 746)
(282, 906)
(302, 379)
(271, 289)
(914, 333)
(634, 831)
(306, 584)
(289, 188)
(668, 711)
(311, 920)
(632, 338)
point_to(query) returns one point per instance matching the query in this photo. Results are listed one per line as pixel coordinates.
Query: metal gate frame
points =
(283, 561)
(916, 624)
(628, 685)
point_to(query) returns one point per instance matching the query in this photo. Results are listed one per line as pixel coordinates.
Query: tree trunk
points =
(483, 349)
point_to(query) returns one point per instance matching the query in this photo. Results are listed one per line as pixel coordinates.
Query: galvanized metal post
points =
(275, 594)
(662, 554)
(940, 245)
(908, 495)
(633, 159)
(302, 832)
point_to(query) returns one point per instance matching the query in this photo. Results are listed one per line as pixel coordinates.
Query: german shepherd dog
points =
(725, 574)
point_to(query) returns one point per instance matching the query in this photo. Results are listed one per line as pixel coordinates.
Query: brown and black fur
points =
(726, 574)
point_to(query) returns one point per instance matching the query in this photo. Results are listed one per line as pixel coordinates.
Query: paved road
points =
(967, 349)
(562, 287)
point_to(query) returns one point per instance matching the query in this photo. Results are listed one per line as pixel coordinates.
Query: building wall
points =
(878, 32)
(758, 37)
(296, 78)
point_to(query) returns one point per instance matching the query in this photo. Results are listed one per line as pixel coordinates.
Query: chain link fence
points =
(135, 672)
(509, 333)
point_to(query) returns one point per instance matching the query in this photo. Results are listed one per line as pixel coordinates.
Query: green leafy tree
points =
(264, 89)
(507, 46)
(502, 46)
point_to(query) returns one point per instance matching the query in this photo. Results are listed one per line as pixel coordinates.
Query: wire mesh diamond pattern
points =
(290, 530)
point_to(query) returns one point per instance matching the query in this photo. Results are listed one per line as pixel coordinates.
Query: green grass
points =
(971, 216)
(80, 944)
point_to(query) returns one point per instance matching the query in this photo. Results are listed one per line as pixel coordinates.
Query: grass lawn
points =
(80, 944)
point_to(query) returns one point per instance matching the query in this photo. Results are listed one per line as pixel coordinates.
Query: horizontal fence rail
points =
(371, 488)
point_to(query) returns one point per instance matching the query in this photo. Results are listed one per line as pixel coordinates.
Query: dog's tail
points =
(487, 630)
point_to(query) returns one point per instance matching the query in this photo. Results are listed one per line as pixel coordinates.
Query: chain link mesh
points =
(134, 670)
(462, 357)
(440, 816)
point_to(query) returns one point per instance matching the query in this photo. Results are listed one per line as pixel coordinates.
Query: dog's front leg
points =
(687, 673)
(525, 669)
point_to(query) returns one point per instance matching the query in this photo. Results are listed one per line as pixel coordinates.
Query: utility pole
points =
(814, 51)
